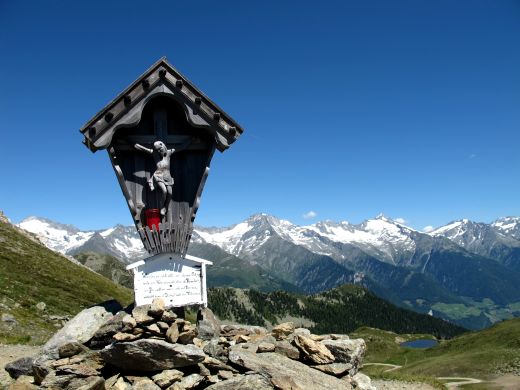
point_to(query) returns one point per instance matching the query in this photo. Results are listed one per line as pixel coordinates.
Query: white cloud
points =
(428, 229)
(310, 214)
(402, 221)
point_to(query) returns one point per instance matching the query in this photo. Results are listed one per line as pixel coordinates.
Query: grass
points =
(483, 354)
(31, 273)
(383, 346)
(487, 310)
(378, 372)
(108, 266)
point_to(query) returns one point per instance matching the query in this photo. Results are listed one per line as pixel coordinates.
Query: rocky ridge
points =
(151, 347)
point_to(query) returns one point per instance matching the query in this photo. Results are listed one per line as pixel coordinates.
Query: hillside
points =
(108, 266)
(341, 310)
(230, 271)
(29, 274)
(483, 354)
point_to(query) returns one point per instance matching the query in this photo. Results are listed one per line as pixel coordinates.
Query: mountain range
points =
(466, 272)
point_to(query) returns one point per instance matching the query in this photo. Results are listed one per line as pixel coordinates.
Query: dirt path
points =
(392, 366)
(453, 382)
(9, 353)
(400, 385)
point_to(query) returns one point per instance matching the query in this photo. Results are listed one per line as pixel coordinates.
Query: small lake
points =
(424, 343)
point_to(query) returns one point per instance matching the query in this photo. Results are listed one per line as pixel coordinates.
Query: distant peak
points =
(382, 217)
(330, 222)
(259, 216)
(32, 218)
(263, 217)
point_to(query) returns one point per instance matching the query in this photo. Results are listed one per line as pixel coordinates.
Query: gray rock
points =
(252, 347)
(208, 325)
(8, 318)
(282, 331)
(80, 329)
(302, 332)
(225, 374)
(41, 306)
(71, 349)
(284, 371)
(145, 384)
(90, 383)
(86, 364)
(172, 334)
(362, 382)
(336, 369)
(241, 339)
(122, 336)
(203, 370)
(265, 347)
(243, 382)
(151, 355)
(190, 381)
(163, 326)
(187, 336)
(119, 384)
(167, 377)
(20, 367)
(71, 382)
(347, 351)
(236, 329)
(157, 307)
(216, 350)
(153, 329)
(53, 381)
(104, 334)
(286, 349)
(111, 381)
(216, 365)
(313, 350)
(41, 367)
(140, 314)
(129, 323)
(79, 370)
(168, 316)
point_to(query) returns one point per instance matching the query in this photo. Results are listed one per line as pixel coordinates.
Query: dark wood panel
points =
(189, 169)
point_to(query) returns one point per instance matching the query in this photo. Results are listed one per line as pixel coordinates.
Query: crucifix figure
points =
(162, 177)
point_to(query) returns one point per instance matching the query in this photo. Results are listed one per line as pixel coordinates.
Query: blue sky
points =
(409, 108)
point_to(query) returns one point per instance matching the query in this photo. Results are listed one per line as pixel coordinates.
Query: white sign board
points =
(178, 281)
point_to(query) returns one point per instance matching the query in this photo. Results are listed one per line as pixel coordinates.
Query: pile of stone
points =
(150, 347)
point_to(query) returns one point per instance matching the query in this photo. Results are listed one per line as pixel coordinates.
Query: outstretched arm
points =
(143, 149)
(183, 146)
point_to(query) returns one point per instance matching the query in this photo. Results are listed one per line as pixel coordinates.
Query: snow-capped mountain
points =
(59, 237)
(497, 240)
(120, 241)
(509, 226)
(381, 237)
(460, 261)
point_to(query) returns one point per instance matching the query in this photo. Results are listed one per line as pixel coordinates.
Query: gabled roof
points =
(160, 79)
(162, 256)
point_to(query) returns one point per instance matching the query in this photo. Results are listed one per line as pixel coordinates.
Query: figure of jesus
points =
(162, 177)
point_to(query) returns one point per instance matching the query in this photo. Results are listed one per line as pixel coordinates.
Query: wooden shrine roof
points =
(160, 79)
